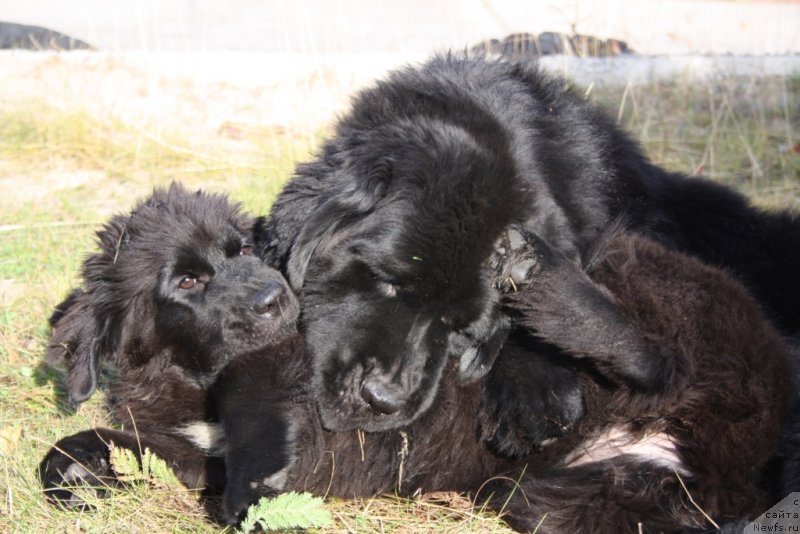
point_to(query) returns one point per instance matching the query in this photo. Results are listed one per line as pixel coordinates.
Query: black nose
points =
(270, 300)
(382, 398)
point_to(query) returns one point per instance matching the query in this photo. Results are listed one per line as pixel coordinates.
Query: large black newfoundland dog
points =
(214, 378)
(390, 234)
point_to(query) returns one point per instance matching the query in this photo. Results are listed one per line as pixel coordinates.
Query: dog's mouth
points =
(338, 418)
(363, 401)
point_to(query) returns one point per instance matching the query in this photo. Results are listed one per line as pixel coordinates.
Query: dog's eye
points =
(187, 282)
(246, 250)
(387, 289)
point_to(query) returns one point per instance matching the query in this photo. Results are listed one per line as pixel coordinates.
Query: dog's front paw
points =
(477, 347)
(530, 400)
(75, 465)
(514, 261)
(245, 487)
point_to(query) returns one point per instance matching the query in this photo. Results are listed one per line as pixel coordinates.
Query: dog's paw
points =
(477, 346)
(541, 418)
(73, 468)
(514, 260)
(530, 401)
(521, 257)
(244, 488)
(478, 359)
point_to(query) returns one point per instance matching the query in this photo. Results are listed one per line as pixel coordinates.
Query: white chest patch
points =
(207, 436)
(656, 448)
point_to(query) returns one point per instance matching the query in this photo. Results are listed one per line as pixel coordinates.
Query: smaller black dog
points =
(173, 294)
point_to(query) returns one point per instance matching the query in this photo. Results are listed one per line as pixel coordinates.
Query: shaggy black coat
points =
(706, 429)
(387, 233)
(714, 419)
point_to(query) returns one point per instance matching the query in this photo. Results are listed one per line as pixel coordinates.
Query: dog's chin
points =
(337, 418)
(271, 336)
(260, 337)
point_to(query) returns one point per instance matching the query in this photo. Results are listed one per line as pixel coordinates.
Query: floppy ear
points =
(80, 332)
(341, 209)
(74, 343)
(318, 230)
(477, 346)
(478, 360)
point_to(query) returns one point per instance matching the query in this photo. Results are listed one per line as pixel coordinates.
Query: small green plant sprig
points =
(287, 511)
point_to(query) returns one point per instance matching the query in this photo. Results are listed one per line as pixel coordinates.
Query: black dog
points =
(255, 430)
(706, 430)
(173, 294)
(388, 235)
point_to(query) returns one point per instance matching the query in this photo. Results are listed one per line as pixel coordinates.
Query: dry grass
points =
(736, 131)
(66, 165)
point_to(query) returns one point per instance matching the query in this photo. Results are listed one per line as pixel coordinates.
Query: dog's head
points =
(390, 266)
(174, 283)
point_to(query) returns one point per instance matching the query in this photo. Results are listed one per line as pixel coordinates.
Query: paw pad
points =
(513, 262)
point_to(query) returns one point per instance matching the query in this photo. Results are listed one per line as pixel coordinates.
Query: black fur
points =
(724, 392)
(785, 468)
(714, 413)
(387, 235)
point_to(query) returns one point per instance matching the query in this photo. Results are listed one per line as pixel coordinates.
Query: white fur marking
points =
(656, 448)
(207, 436)
(76, 473)
(277, 481)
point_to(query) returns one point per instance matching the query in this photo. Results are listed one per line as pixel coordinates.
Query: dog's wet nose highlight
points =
(382, 398)
(271, 300)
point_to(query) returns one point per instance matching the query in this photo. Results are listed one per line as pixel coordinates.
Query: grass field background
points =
(80, 142)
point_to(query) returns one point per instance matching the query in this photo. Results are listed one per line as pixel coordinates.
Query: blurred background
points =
(412, 26)
(202, 64)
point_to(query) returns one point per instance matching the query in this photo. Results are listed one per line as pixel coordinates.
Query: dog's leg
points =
(83, 459)
(262, 418)
(561, 304)
(623, 495)
(532, 397)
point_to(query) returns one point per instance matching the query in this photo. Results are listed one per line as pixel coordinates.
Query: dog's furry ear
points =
(317, 230)
(74, 344)
(342, 209)
(79, 336)
(478, 346)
